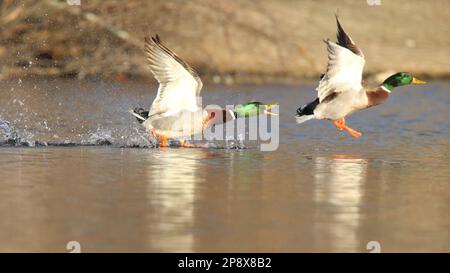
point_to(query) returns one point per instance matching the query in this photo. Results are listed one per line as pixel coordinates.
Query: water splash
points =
(128, 137)
(12, 137)
(232, 143)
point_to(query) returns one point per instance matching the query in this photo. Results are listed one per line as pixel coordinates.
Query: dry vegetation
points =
(241, 40)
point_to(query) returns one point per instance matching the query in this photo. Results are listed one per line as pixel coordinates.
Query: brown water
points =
(319, 191)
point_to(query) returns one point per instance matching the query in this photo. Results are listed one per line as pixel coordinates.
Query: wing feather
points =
(344, 40)
(345, 66)
(179, 84)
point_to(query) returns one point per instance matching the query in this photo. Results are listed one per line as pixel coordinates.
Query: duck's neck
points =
(378, 95)
(226, 115)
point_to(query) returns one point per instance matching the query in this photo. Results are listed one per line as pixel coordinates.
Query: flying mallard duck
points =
(340, 91)
(176, 111)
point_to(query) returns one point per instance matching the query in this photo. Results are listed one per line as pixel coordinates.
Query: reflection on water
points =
(319, 191)
(339, 185)
(171, 189)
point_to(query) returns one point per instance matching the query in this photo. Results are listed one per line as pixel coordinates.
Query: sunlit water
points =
(83, 180)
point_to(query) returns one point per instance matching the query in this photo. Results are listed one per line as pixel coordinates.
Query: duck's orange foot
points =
(185, 144)
(340, 125)
(162, 139)
(353, 132)
(163, 142)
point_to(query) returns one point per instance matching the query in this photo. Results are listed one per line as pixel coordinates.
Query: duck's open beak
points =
(268, 107)
(417, 81)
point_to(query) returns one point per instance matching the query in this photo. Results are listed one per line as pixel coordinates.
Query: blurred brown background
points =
(226, 41)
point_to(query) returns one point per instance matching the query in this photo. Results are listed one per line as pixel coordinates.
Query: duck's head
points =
(400, 79)
(254, 108)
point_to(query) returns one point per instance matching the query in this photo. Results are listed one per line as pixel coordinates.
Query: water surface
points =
(70, 171)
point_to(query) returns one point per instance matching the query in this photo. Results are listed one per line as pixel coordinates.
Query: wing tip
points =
(153, 39)
(154, 47)
(339, 27)
(328, 42)
(156, 39)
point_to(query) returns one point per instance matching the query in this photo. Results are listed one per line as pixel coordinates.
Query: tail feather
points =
(301, 119)
(140, 114)
(306, 112)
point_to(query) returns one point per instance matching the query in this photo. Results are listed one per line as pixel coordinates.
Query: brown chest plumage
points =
(376, 96)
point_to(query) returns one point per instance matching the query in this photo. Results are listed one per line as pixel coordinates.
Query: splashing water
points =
(138, 137)
(232, 143)
(11, 137)
(67, 113)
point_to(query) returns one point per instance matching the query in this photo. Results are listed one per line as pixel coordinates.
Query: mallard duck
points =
(176, 112)
(340, 91)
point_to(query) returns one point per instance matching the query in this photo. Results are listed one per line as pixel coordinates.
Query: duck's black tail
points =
(140, 114)
(306, 112)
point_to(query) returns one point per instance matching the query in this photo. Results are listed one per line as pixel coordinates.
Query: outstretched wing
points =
(179, 84)
(345, 67)
(344, 40)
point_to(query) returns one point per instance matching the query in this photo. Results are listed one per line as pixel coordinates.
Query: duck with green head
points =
(176, 112)
(340, 91)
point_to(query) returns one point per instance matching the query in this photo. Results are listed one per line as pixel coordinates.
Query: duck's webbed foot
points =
(185, 144)
(163, 142)
(340, 125)
(162, 139)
